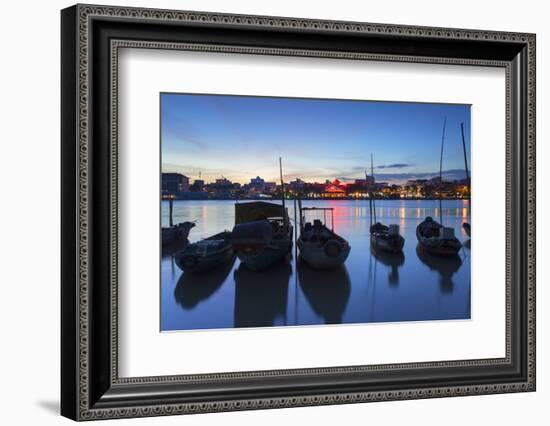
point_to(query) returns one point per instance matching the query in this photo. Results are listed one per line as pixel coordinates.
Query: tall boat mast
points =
(171, 210)
(282, 189)
(465, 156)
(373, 198)
(441, 156)
(370, 198)
(466, 225)
(441, 170)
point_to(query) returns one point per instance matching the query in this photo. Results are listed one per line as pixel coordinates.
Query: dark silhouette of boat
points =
(264, 241)
(175, 234)
(262, 235)
(386, 238)
(207, 254)
(327, 291)
(393, 260)
(192, 288)
(382, 237)
(321, 247)
(261, 298)
(436, 239)
(433, 237)
(445, 266)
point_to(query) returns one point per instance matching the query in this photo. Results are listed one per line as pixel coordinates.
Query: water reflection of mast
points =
(372, 287)
(372, 176)
(296, 260)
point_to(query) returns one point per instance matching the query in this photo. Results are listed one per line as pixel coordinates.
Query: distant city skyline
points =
(241, 137)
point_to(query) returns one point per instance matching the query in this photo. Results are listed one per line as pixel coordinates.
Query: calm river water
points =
(414, 287)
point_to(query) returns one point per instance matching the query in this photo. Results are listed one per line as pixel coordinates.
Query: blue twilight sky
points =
(240, 137)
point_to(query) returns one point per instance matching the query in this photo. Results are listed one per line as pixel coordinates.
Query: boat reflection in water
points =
(261, 296)
(194, 287)
(393, 260)
(445, 266)
(327, 291)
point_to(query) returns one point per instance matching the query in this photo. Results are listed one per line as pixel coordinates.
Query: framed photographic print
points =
(264, 212)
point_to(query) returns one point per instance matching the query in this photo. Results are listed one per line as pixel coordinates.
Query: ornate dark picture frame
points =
(91, 37)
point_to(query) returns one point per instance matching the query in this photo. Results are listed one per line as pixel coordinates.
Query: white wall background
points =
(29, 216)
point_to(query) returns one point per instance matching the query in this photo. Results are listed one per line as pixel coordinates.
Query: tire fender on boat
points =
(333, 248)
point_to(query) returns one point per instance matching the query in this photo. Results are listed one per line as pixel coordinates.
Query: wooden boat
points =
(320, 247)
(207, 254)
(382, 237)
(175, 234)
(262, 235)
(433, 237)
(386, 238)
(436, 239)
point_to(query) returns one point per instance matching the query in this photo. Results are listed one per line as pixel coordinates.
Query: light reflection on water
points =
(371, 287)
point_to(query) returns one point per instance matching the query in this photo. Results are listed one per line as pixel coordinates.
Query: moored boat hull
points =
(387, 244)
(206, 255)
(206, 264)
(386, 238)
(266, 257)
(433, 239)
(262, 235)
(316, 256)
(439, 250)
(437, 246)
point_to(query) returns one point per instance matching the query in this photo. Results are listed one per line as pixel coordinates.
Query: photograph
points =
(280, 211)
(298, 191)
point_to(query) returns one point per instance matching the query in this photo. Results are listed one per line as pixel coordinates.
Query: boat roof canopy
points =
(257, 210)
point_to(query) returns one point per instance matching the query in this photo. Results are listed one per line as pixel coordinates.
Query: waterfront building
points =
(436, 180)
(367, 182)
(334, 189)
(177, 186)
(198, 185)
(256, 184)
(297, 186)
(314, 190)
(222, 189)
(173, 183)
(222, 181)
(270, 187)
